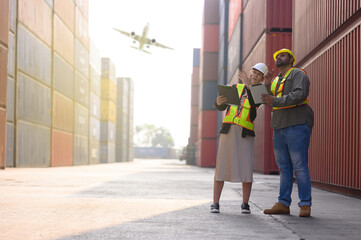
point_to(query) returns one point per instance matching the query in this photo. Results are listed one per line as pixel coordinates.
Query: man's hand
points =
(268, 77)
(267, 99)
(221, 99)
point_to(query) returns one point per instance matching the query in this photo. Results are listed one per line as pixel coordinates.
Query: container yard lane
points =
(157, 199)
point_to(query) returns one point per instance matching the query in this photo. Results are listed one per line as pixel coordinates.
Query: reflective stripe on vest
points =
(243, 118)
(279, 91)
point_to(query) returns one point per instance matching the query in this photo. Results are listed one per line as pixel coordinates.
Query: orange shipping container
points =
(65, 9)
(63, 113)
(108, 111)
(62, 149)
(235, 10)
(36, 15)
(63, 40)
(4, 21)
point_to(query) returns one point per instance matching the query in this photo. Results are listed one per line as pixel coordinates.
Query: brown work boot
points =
(278, 208)
(305, 211)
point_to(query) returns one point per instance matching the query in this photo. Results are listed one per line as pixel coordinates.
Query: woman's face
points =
(255, 76)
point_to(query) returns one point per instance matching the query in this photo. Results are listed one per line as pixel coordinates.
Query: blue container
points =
(207, 95)
(196, 57)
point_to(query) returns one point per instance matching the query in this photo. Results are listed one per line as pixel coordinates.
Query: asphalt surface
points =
(158, 199)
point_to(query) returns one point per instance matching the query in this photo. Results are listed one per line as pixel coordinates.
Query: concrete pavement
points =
(158, 199)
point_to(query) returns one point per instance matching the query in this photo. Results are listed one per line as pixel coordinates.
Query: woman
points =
(235, 152)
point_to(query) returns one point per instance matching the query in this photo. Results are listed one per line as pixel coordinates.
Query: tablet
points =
(230, 92)
(257, 91)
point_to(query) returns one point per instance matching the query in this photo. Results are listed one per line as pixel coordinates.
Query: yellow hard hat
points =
(284, 50)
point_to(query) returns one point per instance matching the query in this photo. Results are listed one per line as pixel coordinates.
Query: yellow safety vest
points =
(243, 118)
(279, 91)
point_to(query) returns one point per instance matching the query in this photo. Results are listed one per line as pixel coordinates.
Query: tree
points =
(150, 135)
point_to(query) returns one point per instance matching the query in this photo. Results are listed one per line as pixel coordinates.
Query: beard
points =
(280, 63)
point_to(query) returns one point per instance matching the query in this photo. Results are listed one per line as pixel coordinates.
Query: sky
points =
(162, 80)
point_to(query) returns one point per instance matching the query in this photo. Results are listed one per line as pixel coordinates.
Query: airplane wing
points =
(152, 42)
(131, 35)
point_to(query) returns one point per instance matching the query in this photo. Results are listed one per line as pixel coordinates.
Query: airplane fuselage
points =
(143, 38)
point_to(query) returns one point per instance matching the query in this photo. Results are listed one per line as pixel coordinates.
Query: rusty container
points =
(61, 149)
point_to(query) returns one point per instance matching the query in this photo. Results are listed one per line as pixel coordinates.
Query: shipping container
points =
(222, 60)
(36, 16)
(3, 75)
(210, 38)
(81, 120)
(81, 59)
(83, 6)
(2, 138)
(9, 145)
(65, 9)
(63, 40)
(32, 145)
(94, 130)
(61, 149)
(107, 152)
(107, 131)
(195, 96)
(10, 100)
(211, 12)
(63, 113)
(81, 150)
(94, 81)
(209, 66)
(193, 134)
(94, 152)
(33, 101)
(4, 22)
(315, 21)
(81, 90)
(63, 76)
(195, 76)
(207, 95)
(12, 16)
(50, 3)
(108, 69)
(207, 152)
(108, 90)
(34, 58)
(108, 111)
(234, 51)
(235, 10)
(94, 106)
(196, 57)
(207, 122)
(94, 57)
(81, 28)
(11, 55)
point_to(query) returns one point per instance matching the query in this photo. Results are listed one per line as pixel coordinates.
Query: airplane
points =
(143, 40)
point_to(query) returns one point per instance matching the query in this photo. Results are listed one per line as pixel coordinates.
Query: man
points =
(292, 122)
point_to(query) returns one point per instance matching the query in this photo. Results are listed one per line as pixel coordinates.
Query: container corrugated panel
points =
(235, 10)
(2, 138)
(10, 100)
(94, 105)
(211, 12)
(257, 55)
(63, 40)
(209, 66)
(81, 59)
(94, 130)
(63, 76)
(94, 57)
(222, 54)
(108, 111)
(193, 134)
(62, 149)
(207, 95)
(315, 21)
(108, 90)
(50, 3)
(81, 150)
(254, 24)
(279, 15)
(9, 145)
(207, 124)
(276, 41)
(234, 51)
(12, 15)
(107, 131)
(33, 101)
(107, 152)
(335, 150)
(195, 76)
(4, 21)
(108, 69)
(94, 152)
(81, 28)
(83, 6)
(81, 120)
(207, 152)
(32, 145)
(81, 94)
(195, 96)
(65, 10)
(94, 81)
(121, 153)
(11, 55)
(223, 19)
(34, 57)
(3, 75)
(36, 15)
(196, 57)
(63, 113)
(210, 37)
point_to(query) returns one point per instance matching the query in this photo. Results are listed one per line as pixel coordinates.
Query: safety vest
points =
(278, 92)
(242, 118)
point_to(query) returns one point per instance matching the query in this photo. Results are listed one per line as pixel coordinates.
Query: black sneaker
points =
(245, 208)
(215, 208)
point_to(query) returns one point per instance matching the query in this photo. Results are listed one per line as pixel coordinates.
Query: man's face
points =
(283, 59)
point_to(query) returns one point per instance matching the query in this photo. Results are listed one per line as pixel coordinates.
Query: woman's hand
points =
(221, 99)
(242, 76)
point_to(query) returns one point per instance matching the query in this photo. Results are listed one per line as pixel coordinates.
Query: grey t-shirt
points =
(295, 91)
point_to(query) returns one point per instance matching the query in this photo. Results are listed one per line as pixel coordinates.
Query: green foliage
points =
(150, 135)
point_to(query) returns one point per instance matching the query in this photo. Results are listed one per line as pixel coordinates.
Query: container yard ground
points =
(157, 199)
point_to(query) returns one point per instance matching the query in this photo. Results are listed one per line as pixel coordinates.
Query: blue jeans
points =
(291, 151)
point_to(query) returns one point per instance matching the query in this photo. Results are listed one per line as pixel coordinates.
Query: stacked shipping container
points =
(207, 120)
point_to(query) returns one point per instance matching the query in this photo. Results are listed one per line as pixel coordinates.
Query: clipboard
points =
(230, 92)
(257, 91)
